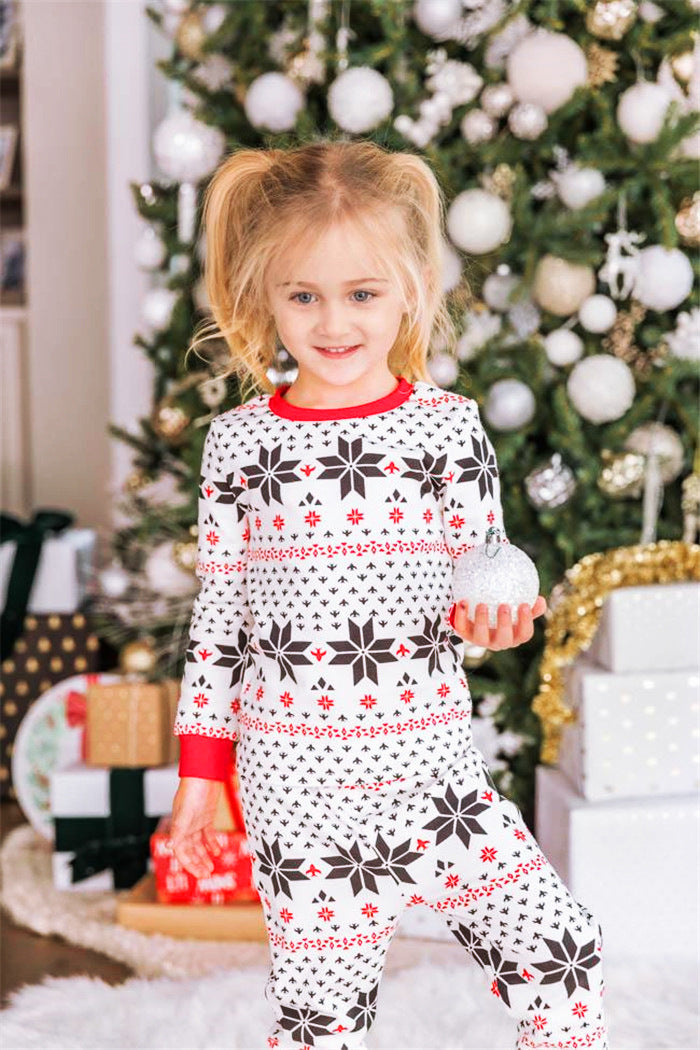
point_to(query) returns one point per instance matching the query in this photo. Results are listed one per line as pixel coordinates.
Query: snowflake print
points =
(570, 962)
(351, 466)
(457, 816)
(270, 473)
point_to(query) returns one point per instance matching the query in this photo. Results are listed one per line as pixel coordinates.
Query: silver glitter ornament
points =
(551, 484)
(495, 573)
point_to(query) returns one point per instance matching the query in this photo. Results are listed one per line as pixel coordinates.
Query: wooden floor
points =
(27, 957)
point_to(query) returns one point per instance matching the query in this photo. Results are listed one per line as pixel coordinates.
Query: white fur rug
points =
(208, 994)
(646, 1007)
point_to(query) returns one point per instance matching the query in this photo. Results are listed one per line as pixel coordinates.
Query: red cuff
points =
(205, 756)
(451, 616)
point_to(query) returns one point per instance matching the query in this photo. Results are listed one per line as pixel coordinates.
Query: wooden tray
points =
(140, 910)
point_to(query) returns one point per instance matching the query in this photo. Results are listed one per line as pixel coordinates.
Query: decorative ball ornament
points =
(213, 391)
(360, 99)
(481, 325)
(186, 149)
(149, 250)
(215, 72)
(545, 68)
(477, 126)
(527, 120)
(436, 18)
(641, 111)
(185, 555)
(138, 657)
(687, 220)
(561, 286)
(664, 277)
(163, 574)
(451, 266)
(478, 222)
(497, 290)
(597, 313)
(551, 484)
(622, 474)
(170, 421)
(611, 19)
(661, 441)
(157, 307)
(510, 404)
(684, 341)
(273, 101)
(683, 65)
(601, 388)
(191, 35)
(495, 573)
(200, 295)
(443, 369)
(563, 347)
(577, 187)
(114, 580)
(496, 99)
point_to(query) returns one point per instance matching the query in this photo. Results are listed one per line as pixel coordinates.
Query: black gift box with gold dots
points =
(52, 646)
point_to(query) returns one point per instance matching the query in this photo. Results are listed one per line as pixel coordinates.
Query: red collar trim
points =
(401, 392)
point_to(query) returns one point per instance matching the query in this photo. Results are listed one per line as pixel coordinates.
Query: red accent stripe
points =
(485, 889)
(354, 550)
(205, 756)
(277, 404)
(322, 943)
(347, 732)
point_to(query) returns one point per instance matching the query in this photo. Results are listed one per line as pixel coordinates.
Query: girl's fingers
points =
(525, 629)
(212, 841)
(482, 631)
(503, 633)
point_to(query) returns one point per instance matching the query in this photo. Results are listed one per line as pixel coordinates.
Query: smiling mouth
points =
(337, 353)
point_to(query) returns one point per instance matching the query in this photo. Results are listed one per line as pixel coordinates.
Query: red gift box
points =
(231, 878)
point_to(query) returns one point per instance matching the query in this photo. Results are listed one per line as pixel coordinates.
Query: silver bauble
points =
(495, 573)
(551, 484)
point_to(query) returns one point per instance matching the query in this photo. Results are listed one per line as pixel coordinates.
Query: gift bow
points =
(76, 715)
(29, 537)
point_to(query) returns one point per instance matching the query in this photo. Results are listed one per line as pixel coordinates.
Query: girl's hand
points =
(192, 830)
(504, 635)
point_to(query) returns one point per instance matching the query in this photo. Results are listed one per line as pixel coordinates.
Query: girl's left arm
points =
(471, 505)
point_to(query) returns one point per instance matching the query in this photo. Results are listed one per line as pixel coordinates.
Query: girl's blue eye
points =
(361, 291)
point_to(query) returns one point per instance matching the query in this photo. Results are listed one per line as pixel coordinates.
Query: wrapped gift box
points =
(632, 862)
(52, 647)
(130, 723)
(649, 628)
(63, 573)
(103, 821)
(140, 910)
(635, 734)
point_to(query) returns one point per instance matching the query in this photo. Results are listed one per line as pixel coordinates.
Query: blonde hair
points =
(259, 201)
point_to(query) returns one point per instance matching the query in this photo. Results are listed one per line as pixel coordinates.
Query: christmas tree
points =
(565, 135)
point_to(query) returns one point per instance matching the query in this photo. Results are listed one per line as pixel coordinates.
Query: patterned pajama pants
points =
(335, 868)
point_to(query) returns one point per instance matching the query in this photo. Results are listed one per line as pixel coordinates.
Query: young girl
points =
(323, 640)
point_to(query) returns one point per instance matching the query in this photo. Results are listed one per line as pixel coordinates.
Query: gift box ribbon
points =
(29, 537)
(119, 841)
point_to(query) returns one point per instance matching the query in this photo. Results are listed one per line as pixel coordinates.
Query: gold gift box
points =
(130, 723)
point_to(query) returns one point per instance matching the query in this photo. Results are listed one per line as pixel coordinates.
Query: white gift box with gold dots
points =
(636, 734)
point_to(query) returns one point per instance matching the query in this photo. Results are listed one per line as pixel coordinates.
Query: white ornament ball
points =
(664, 442)
(443, 368)
(477, 126)
(436, 17)
(684, 341)
(164, 575)
(114, 581)
(597, 313)
(360, 99)
(497, 290)
(664, 277)
(527, 120)
(546, 68)
(149, 250)
(157, 307)
(478, 221)
(510, 404)
(601, 388)
(641, 111)
(185, 149)
(273, 101)
(451, 267)
(561, 286)
(577, 187)
(495, 573)
(563, 347)
(199, 294)
(496, 99)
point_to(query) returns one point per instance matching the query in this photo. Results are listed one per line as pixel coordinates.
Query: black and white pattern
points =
(320, 642)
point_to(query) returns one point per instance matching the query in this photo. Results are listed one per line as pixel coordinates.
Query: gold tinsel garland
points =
(573, 620)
